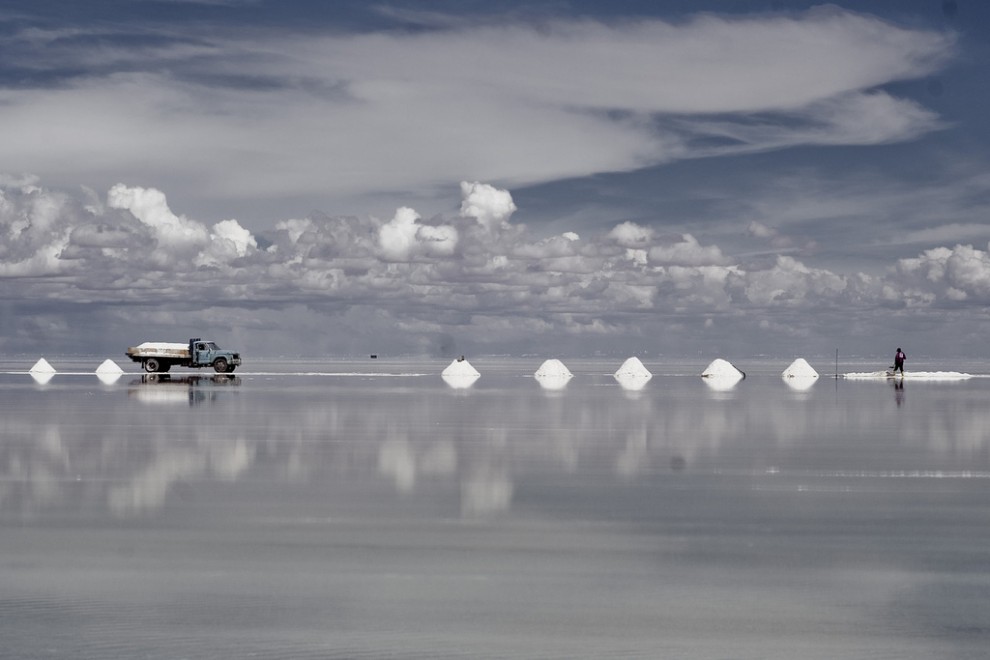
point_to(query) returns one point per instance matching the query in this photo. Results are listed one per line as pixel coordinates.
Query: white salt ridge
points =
(553, 369)
(109, 368)
(633, 368)
(42, 367)
(163, 345)
(460, 368)
(800, 369)
(911, 375)
(722, 369)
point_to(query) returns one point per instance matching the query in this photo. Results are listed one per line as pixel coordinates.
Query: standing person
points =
(899, 358)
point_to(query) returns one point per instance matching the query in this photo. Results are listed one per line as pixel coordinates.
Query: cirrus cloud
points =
(221, 116)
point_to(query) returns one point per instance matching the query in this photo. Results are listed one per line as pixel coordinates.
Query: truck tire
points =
(151, 365)
(220, 365)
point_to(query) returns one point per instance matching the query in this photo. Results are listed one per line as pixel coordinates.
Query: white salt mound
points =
(633, 368)
(109, 367)
(163, 345)
(553, 369)
(720, 368)
(460, 368)
(913, 375)
(42, 367)
(799, 369)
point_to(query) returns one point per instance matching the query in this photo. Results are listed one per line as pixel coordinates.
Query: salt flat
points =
(372, 510)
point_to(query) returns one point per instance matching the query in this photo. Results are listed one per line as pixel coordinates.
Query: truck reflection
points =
(193, 390)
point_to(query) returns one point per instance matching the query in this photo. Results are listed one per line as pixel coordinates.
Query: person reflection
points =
(899, 391)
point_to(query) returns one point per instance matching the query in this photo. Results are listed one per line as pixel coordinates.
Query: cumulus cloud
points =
(956, 274)
(150, 208)
(33, 227)
(631, 235)
(488, 205)
(407, 282)
(404, 235)
(685, 251)
(228, 241)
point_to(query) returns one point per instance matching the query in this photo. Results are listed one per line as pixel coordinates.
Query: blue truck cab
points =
(208, 354)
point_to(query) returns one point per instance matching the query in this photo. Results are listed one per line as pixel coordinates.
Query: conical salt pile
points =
(460, 368)
(109, 372)
(459, 374)
(633, 368)
(553, 369)
(42, 367)
(799, 369)
(109, 368)
(720, 368)
(42, 372)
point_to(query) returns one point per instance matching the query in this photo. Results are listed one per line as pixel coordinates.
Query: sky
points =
(671, 180)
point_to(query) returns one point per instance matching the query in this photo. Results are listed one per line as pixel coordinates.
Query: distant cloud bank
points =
(409, 280)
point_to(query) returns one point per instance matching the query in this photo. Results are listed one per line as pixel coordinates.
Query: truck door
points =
(202, 353)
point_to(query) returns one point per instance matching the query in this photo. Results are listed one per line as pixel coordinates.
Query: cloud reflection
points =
(131, 453)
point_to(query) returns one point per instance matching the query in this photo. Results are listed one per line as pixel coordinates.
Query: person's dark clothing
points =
(899, 358)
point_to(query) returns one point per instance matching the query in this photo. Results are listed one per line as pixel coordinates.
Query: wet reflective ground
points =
(372, 510)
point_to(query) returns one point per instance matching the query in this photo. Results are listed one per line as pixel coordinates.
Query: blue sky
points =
(670, 179)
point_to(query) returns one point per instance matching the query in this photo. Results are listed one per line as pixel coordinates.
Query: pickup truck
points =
(159, 356)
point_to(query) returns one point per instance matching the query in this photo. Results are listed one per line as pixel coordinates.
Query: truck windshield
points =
(212, 346)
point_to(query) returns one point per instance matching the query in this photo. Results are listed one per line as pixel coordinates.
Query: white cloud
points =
(404, 235)
(350, 116)
(231, 232)
(631, 235)
(685, 251)
(959, 273)
(789, 282)
(228, 241)
(486, 204)
(406, 282)
(150, 207)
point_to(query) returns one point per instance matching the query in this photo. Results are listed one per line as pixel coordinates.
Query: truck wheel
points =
(151, 365)
(220, 366)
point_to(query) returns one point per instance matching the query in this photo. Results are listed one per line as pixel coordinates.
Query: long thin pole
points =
(837, 364)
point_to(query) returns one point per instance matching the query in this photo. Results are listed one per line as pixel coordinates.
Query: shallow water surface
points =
(374, 510)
